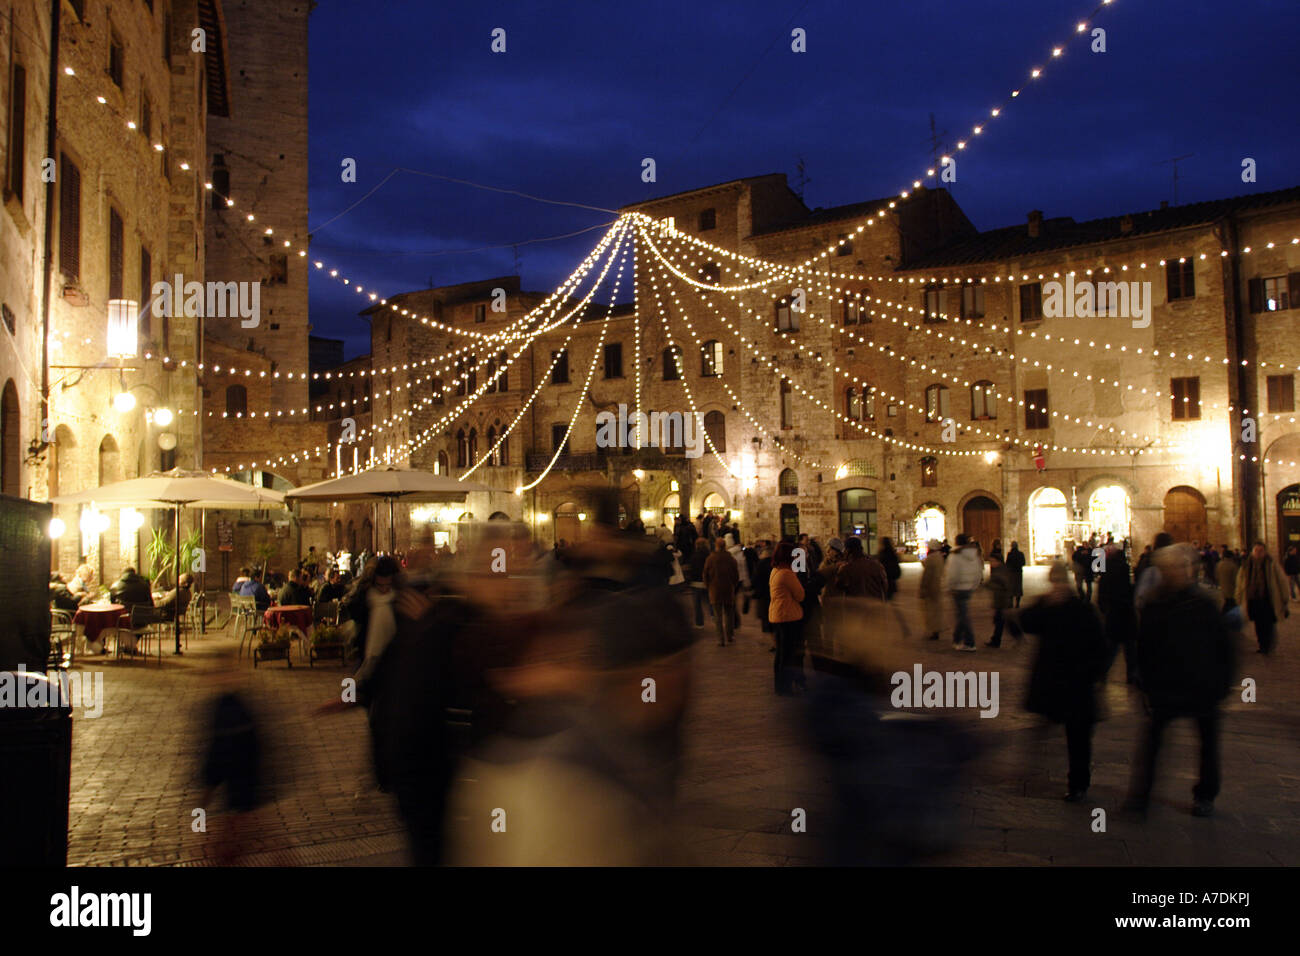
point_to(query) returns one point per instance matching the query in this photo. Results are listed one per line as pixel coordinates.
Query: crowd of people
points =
(553, 653)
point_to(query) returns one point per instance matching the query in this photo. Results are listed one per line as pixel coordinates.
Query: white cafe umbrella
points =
(176, 489)
(388, 484)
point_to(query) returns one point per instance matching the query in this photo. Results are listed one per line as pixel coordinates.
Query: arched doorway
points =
(981, 520)
(1109, 513)
(714, 505)
(568, 524)
(931, 523)
(498, 516)
(1047, 519)
(1185, 515)
(10, 442)
(1288, 517)
(672, 508)
(858, 515)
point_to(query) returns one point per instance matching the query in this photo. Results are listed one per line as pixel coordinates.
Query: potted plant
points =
(273, 645)
(327, 643)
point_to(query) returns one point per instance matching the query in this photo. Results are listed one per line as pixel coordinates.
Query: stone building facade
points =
(110, 204)
(910, 396)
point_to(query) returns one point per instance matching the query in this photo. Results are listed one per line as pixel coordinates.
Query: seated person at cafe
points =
(253, 588)
(177, 596)
(294, 592)
(245, 574)
(333, 589)
(61, 598)
(131, 590)
(81, 582)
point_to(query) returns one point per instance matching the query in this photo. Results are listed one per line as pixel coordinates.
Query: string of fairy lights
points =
(556, 303)
(559, 354)
(988, 351)
(817, 356)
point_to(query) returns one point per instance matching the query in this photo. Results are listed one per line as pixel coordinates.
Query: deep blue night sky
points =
(714, 93)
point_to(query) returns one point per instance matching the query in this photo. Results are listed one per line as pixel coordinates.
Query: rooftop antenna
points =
(515, 250)
(1175, 160)
(802, 168)
(938, 146)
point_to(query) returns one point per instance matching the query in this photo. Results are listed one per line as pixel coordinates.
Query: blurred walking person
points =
(965, 571)
(1000, 584)
(932, 569)
(1225, 573)
(1071, 662)
(1115, 601)
(786, 614)
(693, 568)
(1015, 563)
(763, 596)
(722, 577)
(1291, 567)
(888, 558)
(1261, 592)
(1185, 654)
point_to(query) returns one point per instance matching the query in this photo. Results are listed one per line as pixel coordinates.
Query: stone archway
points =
(981, 521)
(1185, 515)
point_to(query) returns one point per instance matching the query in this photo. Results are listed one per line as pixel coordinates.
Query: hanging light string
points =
(976, 351)
(845, 296)
(870, 390)
(393, 419)
(577, 408)
(677, 355)
(1110, 266)
(438, 363)
(619, 253)
(727, 323)
(772, 366)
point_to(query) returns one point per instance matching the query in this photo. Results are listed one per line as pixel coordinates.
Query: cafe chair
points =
(63, 640)
(247, 620)
(145, 625)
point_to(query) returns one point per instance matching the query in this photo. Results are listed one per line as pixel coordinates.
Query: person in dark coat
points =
(1082, 561)
(1000, 585)
(893, 570)
(1071, 662)
(693, 570)
(61, 598)
(684, 534)
(722, 577)
(1015, 563)
(762, 592)
(1185, 668)
(131, 590)
(1115, 601)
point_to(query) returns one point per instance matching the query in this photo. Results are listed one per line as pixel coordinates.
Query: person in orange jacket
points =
(785, 611)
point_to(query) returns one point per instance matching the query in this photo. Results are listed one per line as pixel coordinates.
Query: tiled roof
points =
(1013, 242)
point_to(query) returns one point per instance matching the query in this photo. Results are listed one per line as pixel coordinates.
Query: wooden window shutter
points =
(115, 239)
(1256, 287)
(1293, 287)
(70, 219)
(17, 131)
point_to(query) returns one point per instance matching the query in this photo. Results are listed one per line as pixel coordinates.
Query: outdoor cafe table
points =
(96, 618)
(299, 615)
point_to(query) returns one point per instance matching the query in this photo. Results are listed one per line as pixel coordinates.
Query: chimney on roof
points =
(1035, 223)
(1126, 225)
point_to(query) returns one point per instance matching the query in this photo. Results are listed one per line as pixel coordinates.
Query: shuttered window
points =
(1281, 393)
(146, 292)
(115, 237)
(69, 218)
(1186, 393)
(17, 131)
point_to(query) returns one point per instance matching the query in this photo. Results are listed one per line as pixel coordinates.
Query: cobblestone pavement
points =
(747, 766)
